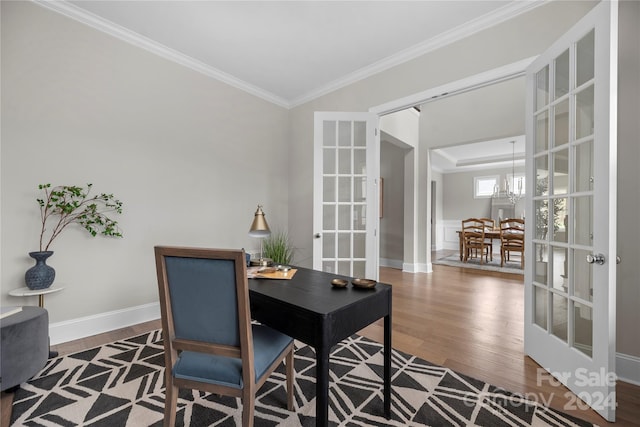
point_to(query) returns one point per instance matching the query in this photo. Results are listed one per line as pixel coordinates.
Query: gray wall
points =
(458, 200)
(628, 293)
(392, 221)
(189, 156)
(437, 222)
(492, 112)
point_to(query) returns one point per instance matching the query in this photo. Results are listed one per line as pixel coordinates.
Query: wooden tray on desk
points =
(271, 273)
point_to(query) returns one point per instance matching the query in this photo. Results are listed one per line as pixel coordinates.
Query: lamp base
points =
(261, 262)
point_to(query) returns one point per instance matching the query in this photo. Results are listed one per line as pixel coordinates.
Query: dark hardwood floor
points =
(468, 320)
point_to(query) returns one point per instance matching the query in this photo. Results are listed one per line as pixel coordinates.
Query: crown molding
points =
(502, 14)
(94, 21)
(76, 13)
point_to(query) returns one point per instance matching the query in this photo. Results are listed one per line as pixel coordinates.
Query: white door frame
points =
(334, 263)
(422, 203)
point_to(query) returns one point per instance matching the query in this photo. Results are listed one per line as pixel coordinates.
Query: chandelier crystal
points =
(509, 192)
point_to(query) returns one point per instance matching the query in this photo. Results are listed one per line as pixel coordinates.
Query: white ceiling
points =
(289, 52)
(495, 154)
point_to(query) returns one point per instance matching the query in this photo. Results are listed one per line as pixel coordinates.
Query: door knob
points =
(317, 235)
(595, 258)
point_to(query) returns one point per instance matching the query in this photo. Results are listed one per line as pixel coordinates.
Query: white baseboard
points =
(628, 368)
(392, 263)
(83, 327)
(417, 267)
(406, 266)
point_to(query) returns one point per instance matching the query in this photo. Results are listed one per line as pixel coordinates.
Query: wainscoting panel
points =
(451, 240)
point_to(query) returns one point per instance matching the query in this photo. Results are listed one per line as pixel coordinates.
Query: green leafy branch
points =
(71, 205)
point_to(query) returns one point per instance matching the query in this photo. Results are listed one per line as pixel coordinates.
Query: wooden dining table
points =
(489, 233)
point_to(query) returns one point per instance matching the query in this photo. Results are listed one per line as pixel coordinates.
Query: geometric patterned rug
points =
(121, 384)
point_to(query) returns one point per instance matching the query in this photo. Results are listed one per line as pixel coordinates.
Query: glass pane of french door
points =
(564, 197)
(571, 157)
(344, 228)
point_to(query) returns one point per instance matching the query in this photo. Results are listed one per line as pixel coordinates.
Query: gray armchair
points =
(24, 348)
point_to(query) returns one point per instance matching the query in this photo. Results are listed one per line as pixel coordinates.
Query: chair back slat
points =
(512, 239)
(473, 239)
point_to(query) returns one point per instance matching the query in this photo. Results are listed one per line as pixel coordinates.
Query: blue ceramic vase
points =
(40, 276)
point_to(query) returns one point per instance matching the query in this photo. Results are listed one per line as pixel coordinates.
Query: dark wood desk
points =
(309, 309)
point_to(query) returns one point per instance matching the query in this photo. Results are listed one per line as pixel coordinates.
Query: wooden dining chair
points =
(474, 240)
(511, 239)
(210, 343)
(489, 224)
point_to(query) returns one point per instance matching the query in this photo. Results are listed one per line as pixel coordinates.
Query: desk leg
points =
(387, 366)
(322, 385)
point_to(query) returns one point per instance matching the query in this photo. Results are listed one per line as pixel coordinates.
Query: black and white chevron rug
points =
(121, 384)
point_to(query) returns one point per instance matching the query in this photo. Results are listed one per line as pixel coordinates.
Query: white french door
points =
(570, 274)
(346, 198)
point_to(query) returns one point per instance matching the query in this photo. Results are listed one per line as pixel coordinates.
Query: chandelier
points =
(509, 192)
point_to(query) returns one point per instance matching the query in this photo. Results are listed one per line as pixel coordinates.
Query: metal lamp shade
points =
(259, 226)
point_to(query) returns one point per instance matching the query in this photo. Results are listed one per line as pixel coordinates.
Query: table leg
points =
(322, 385)
(387, 365)
(460, 248)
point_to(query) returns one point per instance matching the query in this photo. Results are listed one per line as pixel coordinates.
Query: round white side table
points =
(26, 292)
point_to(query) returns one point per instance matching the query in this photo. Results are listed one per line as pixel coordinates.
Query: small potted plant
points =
(277, 247)
(60, 207)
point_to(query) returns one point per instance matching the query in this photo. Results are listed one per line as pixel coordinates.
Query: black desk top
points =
(312, 290)
(309, 309)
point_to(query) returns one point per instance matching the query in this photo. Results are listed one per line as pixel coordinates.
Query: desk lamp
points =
(260, 229)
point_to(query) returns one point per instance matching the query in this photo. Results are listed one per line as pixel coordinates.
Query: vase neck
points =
(40, 255)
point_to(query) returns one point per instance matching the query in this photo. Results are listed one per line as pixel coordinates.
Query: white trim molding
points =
(417, 267)
(83, 327)
(505, 13)
(450, 239)
(392, 263)
(96, 22)
(493, 76)
(83, 16)
(628, 368)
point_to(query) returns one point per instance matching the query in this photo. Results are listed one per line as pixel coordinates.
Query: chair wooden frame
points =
(489, 224)
(244, 351)
(474, 240)
(511, 239)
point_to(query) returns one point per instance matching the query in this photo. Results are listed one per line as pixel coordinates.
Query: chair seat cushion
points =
(268, 345)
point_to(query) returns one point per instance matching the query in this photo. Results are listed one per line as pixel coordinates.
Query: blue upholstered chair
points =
(210, 342)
